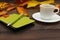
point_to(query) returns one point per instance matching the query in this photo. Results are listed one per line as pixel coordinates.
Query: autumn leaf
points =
(23, 4)
(32, 4)
(47, 2)
(21, 10)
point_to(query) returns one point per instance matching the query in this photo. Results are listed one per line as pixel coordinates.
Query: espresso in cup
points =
(47, 11)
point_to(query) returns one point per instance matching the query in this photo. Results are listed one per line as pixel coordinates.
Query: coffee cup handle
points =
(57, 9)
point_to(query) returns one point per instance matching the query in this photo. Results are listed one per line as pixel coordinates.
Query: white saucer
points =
(37, 17)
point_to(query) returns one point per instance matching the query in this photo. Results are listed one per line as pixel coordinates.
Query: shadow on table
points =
(43, 23)
(50, 26)
(17, 30)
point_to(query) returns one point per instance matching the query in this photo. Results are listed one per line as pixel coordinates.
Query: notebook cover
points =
(10, 19)
(13, 17)
(22, 22)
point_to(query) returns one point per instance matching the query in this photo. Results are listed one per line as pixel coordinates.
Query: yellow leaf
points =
(47, 2)
(32, 4)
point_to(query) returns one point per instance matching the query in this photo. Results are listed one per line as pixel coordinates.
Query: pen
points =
(15, 20)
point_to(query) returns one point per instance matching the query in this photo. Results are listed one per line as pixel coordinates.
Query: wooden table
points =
(35, 31)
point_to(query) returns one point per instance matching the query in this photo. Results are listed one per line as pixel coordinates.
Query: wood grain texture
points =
(35, 31)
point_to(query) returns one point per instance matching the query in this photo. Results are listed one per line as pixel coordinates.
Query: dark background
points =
(14, 0)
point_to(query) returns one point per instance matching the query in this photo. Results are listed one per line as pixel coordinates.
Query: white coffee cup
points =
(47, 11)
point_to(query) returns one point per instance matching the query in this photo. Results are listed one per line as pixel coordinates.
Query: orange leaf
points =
(23, 4)
(10, 8)
(22, 10)
(6, 15)
(3, 12)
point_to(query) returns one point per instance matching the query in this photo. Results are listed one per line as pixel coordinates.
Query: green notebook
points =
(22, 22)
(13, 17)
